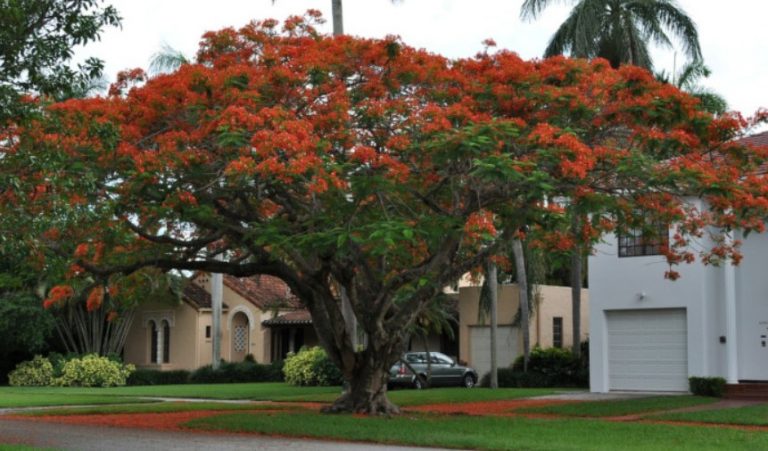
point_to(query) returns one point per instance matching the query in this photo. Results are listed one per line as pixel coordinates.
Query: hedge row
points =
(552, 367)
(247, 371)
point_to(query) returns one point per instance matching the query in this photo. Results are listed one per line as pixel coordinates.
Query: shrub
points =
(35, 372)
(707, 386)
(246, 371)
(555, 367)
(157, 377)
(311, 367)
(92, 370)
(510, 378)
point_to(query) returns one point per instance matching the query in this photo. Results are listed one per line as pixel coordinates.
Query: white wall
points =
(752, 308)
(617, 284)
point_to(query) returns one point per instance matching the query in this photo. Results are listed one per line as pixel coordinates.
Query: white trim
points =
(731, 326)
(247, 312)
(158, 316)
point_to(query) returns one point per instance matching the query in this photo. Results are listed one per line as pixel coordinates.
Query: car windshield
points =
(434, 358)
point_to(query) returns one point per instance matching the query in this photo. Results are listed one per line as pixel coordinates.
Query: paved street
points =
(85, 438)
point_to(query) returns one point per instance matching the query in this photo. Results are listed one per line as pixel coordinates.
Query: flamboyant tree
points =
(368, 165)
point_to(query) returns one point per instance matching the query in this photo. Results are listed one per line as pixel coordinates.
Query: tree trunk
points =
(576, 277)
(338, 18)
(522, 283)
(493, 284)
(367, 392)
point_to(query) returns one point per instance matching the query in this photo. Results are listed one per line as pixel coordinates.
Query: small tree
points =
(36, 41)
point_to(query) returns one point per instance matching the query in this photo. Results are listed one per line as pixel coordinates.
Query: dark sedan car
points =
(444, 371)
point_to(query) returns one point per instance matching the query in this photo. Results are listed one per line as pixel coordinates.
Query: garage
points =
(480, 342)
(647, 350)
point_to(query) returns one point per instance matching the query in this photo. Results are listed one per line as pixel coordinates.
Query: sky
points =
(732, 36)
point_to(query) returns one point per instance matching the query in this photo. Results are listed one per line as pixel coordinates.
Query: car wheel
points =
(468, 381)
(419, 383)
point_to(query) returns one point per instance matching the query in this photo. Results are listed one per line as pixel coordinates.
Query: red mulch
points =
(160, 421)
(486, 407)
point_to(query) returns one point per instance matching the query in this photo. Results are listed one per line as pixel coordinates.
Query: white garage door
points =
(480, 343)
(647, 350)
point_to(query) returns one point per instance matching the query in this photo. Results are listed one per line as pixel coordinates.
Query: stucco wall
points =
(183, 336)
(554, 302)
(638, 283)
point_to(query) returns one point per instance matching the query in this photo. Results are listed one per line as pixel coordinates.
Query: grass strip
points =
(14, 447)
(159, 407)
(622, 407)
(22, 399)
(252, 391)
(756, 415)
(488, 433)
(270, 391)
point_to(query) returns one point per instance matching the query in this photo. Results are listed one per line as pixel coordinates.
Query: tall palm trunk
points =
(576, 263)
(493, 284)
(338, 18)
(522, 284)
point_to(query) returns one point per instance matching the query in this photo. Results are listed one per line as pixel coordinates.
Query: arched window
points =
(166, 341)
(153, 342)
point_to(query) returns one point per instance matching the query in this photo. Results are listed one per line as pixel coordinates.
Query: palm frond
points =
(531, 9)
(167, 59)
(682, 26)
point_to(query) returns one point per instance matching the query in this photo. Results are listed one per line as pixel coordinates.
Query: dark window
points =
(557, 332)
(152, 342)
(651, 239)
(166, 342)
(207, 331)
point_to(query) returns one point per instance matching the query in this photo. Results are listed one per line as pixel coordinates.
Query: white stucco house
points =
(648, 333)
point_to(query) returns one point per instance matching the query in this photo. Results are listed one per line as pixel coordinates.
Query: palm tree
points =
(522, 284)
(688, 80)
(167, 59)
(618, 30)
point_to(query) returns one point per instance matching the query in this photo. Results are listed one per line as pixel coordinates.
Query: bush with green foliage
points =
(311, 367)
(92, 370)
(157, 377)
(246, 371)
(707, 386)
(550, 367)
(35, 372)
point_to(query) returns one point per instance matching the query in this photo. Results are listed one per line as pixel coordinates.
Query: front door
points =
(753, 347)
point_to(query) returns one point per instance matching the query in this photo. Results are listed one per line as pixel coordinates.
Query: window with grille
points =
(557, 332)
(651, 239)
(241, 338)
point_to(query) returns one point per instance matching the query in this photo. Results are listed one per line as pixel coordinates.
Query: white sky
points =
(732, 34)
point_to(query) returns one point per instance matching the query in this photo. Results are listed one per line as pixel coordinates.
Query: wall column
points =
(731, 348)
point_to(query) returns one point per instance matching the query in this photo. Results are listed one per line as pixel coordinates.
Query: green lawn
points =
(621, 407)
(749, 415)
(489, 432)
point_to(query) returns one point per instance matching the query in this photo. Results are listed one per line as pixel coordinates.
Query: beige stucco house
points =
(260, 317)
(551, 324)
